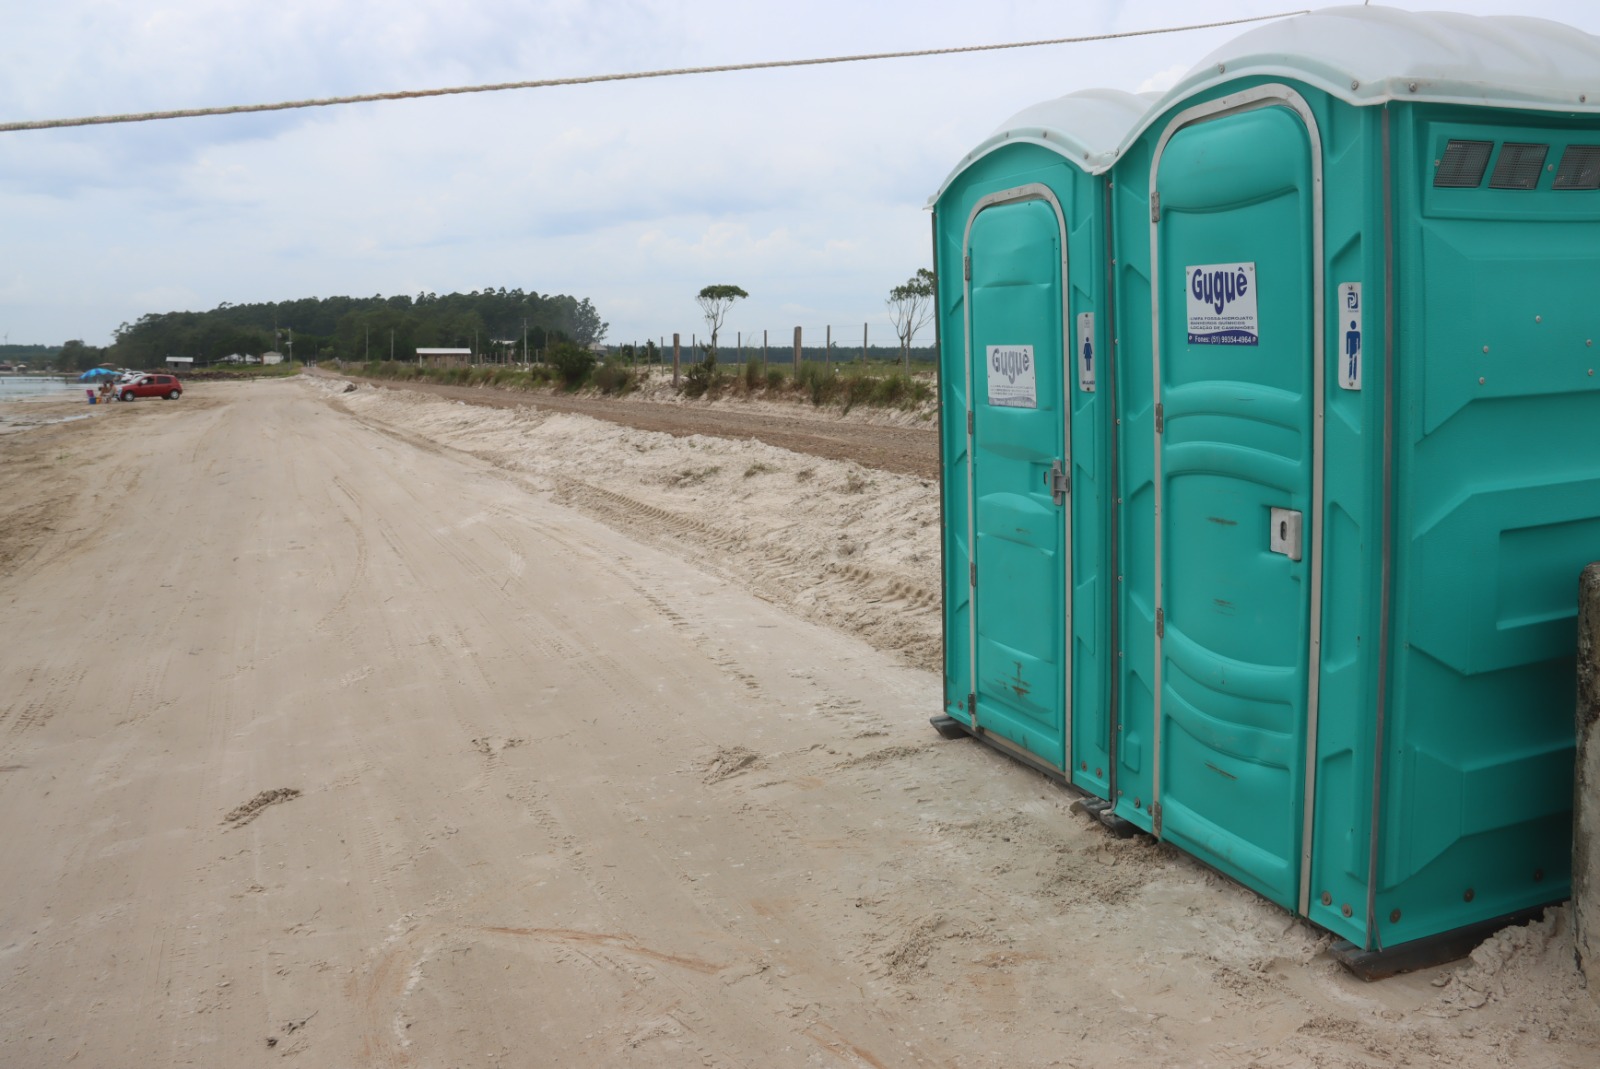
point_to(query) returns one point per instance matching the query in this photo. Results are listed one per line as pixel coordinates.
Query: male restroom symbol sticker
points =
(1350, 335)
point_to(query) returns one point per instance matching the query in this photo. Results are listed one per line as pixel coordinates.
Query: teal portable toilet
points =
(1357, 455)
(1020, 252)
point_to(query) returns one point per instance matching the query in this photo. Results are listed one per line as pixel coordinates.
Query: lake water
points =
(39, 388)
(21, 397)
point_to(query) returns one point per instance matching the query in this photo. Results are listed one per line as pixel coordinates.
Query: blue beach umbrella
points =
(96, 374)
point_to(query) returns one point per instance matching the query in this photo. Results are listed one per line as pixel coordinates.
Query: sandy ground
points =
(902, 439)
(372, 730)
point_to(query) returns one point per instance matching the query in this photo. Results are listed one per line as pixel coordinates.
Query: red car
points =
(166, 386)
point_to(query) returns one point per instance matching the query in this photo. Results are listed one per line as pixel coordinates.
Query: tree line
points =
(495, 323)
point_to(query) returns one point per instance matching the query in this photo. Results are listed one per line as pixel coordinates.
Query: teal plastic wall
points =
(1497, 511)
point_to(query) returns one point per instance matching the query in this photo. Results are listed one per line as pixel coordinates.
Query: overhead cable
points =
(415, 94)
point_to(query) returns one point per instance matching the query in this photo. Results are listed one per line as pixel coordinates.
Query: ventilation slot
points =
(1580, 168)
(1518, 166)
(1462, 165)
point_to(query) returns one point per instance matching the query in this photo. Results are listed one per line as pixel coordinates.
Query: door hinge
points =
(1161, 623)
(969, 423)
(972, 705)
(1155, 818)
(972, 573)
(1060, 483)
(966, 267)
(1161, 419)
(1155, 207)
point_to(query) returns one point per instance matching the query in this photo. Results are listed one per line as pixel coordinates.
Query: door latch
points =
(1285, 536)
(1060, 482)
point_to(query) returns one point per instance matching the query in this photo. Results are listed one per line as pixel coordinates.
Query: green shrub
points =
(572, 363)
(613, 378)
(891, 389)
(390, 369)
(703, 377)
(776, 379)
(819, 382)
(858, 389)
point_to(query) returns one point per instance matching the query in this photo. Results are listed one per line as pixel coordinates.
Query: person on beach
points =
(105, 391)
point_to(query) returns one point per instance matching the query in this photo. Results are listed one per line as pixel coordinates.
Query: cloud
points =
(806, 186)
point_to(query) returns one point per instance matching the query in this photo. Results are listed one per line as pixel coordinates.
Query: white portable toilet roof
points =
(1086, 127)
(1371, 55)
(1361, 55)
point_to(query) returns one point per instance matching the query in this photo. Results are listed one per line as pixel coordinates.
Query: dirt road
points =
(800, 428)
(322, 740)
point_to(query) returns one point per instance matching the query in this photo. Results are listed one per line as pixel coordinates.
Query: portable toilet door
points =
(1019, 254)
(1350, 543)
(1237, 373)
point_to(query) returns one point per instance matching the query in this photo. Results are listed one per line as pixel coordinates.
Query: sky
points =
(805, 186)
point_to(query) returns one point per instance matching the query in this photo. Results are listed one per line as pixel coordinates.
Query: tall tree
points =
(76, 356)
(910, 308)
(714, 304)
(354, 327)
(585, 324)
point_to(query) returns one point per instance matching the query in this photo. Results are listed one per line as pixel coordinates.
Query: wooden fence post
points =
(797, 352)
(674, 360)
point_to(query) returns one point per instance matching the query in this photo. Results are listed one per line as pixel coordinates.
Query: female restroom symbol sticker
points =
(1349, 335)
(1085, 352)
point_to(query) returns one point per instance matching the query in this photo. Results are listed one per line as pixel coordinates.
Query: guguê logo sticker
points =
(1222, 304)
(1011, 377)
